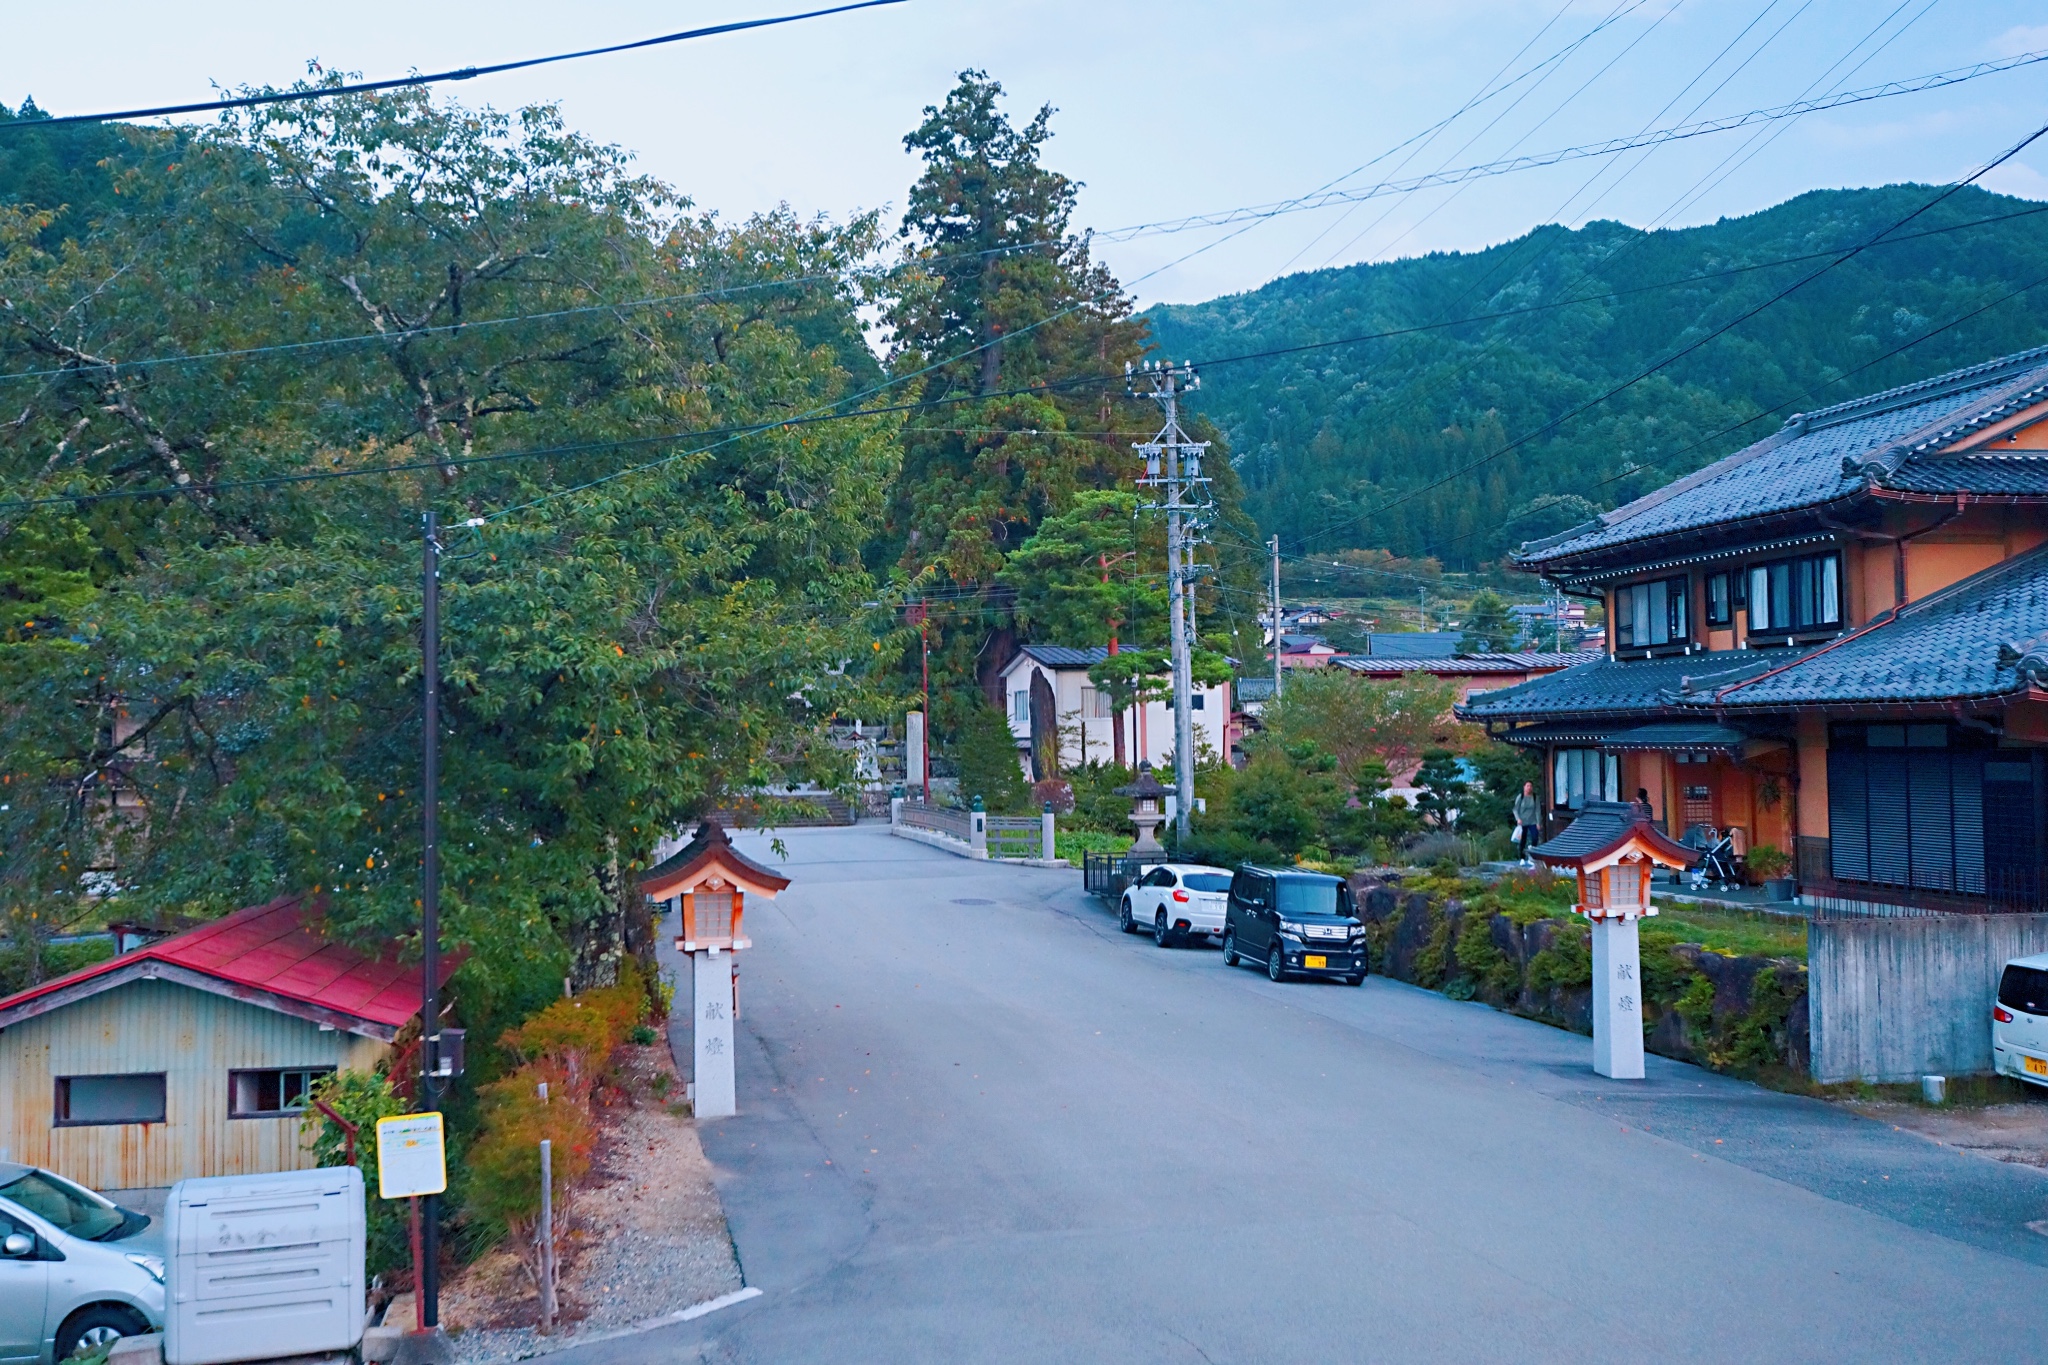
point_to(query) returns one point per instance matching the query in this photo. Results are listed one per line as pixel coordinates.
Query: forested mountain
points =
(1329, 440)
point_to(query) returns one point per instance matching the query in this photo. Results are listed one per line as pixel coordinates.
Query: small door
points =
(24, 1290)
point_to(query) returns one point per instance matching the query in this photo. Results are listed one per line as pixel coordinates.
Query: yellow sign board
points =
(412, 1156)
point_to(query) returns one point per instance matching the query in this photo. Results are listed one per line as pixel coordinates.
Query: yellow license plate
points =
(2035, 1066)
(1315, 960)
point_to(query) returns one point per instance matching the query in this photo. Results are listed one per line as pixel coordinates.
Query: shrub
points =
(362, 1098)
(504, 1162)
(1056, 792)
(1766, 861)
(986, 753)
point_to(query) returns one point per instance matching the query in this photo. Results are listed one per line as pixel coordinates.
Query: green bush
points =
(362, 1098)
(985, 752)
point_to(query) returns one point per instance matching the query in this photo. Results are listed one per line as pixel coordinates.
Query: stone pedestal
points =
(713, 1094)
(1617, 999)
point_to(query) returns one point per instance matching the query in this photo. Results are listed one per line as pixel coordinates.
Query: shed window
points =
(1020, 707)
(136, 1098)
(265, 1094)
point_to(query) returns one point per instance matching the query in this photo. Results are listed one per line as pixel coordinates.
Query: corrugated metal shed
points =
(195, 1039)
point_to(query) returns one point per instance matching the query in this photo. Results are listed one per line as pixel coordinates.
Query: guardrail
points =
(1108, 874)
(954, 824)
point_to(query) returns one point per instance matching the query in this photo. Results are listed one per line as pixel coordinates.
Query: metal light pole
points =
(430, 901)
(1175, 462)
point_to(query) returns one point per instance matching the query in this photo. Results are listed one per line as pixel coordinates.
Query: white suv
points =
(2019, 1021)
(72, 1277)
(1176, 900)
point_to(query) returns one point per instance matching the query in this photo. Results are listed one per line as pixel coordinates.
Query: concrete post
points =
(913, 751)
(1617, 999)
(714, 1095)
(1046, 843)
(978, 831)
(896, 809)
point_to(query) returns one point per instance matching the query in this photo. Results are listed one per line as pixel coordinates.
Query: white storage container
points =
(264, 1266)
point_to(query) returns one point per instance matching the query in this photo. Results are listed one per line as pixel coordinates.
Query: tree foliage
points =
(210, 656)
(1359, 721)
(1325, 436)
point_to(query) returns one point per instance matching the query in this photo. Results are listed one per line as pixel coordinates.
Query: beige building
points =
(191, 1056)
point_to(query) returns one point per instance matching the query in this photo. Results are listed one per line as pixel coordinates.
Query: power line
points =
(463, 73)
(1554, 423)
(1611, 147)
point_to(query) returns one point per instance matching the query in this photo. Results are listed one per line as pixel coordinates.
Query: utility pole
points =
(429, 1296)
(1174, 462)
(1276, 617)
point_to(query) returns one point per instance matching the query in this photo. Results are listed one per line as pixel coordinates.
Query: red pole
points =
(924, 635)
(419, 1263)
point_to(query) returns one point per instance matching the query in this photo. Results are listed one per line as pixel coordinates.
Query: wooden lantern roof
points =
(709, 857)
(1613, 847)
(1606, 832)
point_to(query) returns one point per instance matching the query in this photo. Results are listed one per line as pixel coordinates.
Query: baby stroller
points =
(1716, 867)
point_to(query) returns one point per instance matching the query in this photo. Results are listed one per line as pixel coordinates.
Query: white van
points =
(2019, 1021)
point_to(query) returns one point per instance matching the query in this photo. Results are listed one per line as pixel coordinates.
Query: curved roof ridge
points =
(1921, 390)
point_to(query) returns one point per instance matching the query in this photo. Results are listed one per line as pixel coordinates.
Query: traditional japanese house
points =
(1834, 641)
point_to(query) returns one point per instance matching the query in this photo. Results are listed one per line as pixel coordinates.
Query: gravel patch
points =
(2016, 1133)
(646, 1237)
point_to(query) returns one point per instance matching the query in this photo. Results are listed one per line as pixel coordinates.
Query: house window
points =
(1020, 707)
(1581, 775)
(1094, 704)
(1720, 599)
(268, 1094)
(1792, 595)
(1194, 701)
(1651, 613)
(86, 1100)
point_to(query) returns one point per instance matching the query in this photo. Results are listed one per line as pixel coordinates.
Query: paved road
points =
(980, 1124)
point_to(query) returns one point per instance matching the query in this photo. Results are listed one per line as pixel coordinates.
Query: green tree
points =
(216, 698)
(1489, 627)
(1363, 721)
(986, 754)
(1441, 788)
(1502, 769)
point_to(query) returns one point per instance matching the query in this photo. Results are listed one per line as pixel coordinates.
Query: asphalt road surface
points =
(978, 1123)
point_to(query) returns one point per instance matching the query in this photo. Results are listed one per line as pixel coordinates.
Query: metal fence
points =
(1108, 874)
(1014, 836)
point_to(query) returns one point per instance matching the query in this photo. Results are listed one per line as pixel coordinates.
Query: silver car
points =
(72, 1275)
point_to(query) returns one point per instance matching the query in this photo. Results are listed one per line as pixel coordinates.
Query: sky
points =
(1165, 111)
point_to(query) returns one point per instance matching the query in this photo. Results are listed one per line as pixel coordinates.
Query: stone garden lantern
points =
(1614, 849)
(1148, 811)
(713, 880)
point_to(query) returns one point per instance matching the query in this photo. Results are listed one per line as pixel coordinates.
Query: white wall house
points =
(1084, 723)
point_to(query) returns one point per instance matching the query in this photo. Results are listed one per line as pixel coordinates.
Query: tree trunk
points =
(598, 946)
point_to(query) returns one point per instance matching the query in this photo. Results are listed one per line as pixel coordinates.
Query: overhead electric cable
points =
(1613, 146)
(463, 73)
(1554, 423)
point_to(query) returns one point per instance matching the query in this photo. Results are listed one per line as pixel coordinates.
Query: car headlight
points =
(154, 1265)
(1290, 928)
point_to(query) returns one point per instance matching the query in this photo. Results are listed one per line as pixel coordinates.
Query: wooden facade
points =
(195, 1038)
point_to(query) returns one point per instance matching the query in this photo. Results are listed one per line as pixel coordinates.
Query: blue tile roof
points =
(1887, 439)
(1613, 687)
(1983, 637)
(1066, 656)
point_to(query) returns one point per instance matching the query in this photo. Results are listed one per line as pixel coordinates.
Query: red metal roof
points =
(274, 949)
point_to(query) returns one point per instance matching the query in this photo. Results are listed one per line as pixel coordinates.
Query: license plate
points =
(2035, 1066)
(1315, 960)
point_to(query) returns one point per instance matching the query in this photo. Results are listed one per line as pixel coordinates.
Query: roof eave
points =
(142, 967)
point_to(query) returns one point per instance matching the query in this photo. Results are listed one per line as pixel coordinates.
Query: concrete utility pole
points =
(1276, 617)
(1174, 463)
(427, 1301)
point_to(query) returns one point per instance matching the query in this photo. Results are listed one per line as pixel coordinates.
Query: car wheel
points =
(96, 1326)
(1229, 948)
(1123, 917)
(1276, 965)
(1161, 935)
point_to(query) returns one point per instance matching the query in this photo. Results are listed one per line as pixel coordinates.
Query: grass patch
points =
(1964, 1092)
(1736, 933)
(1072, 843)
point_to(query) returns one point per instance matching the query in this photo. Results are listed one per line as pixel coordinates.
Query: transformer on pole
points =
(1173, 464)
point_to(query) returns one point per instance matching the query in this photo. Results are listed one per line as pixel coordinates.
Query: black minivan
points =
(1295, 923)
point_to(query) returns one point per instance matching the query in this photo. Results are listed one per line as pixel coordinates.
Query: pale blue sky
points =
(1164, 109)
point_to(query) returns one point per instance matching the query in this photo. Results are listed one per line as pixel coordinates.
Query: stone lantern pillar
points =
(1612, 849)
(713, 879)
(1148, 811)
